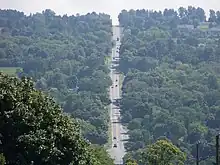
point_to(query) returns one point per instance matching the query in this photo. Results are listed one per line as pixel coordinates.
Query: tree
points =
(33, 128)
(130, 162)
(102, 155)
(64, 55)
(163, 152)
(171, 87)
(2, 159)
(212, 16)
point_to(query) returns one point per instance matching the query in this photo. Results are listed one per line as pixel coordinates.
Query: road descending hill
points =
(117, 150)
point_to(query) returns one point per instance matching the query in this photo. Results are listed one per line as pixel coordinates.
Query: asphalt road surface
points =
(119, 136)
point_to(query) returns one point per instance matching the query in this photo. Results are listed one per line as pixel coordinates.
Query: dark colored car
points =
(114, 138)
(116, 80)
(117, 102)
(115, 145)
(116, 85)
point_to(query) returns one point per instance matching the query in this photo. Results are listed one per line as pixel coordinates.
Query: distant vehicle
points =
(116, 80)
(114, 138)
(112, 86)
(117, 39)
(117, 51)
(117, 102)
(113, 58)
(116, 85)
(115, 145)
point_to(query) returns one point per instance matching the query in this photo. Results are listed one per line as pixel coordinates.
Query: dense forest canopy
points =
(34, 129)
(67, 57)
(170, 93)
(171, 89)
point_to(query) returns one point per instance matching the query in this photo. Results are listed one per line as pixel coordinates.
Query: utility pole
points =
(217, 150)
(197, 153)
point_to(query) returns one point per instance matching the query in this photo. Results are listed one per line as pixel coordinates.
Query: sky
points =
(112, 7)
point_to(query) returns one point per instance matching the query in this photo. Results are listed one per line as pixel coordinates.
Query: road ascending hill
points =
(117, 150)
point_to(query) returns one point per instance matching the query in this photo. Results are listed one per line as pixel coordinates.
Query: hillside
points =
(170, 93)
(34, 129)
(66, 57)
(171, 89)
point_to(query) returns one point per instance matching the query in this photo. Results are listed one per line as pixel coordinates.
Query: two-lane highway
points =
(117, 150)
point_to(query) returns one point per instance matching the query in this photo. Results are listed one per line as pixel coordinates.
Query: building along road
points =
(119, 132)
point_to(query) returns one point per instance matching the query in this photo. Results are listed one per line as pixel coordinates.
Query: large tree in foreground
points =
(34, 129)
(163, 152)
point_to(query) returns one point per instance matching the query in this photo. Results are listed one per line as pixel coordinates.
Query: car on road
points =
(116, 85)
(114, 137)
(117, 39)
(117, 102)
(115, 145)
(116, 80)
(112, 87)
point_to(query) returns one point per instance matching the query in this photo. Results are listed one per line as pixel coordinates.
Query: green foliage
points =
(160, 152)
(67, 57)
(171, 85)
(2, 159)
(102, 155)
(163, 152)
(131, 162)
(33, 128)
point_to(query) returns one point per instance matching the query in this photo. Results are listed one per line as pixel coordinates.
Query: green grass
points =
(203, 27)
(109, 143)
(121, 79)
(107, 60)
(10, 70)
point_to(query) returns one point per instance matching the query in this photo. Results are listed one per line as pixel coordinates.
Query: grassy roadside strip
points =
(121, 79)
(109, 143)
(108, 60)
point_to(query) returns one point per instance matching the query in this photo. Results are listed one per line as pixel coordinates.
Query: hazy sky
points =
(112, 7)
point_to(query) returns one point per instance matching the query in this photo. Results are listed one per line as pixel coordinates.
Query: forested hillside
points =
(67, 57)
(171, 89)
(35, 130)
